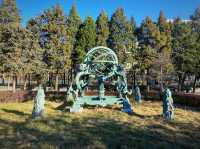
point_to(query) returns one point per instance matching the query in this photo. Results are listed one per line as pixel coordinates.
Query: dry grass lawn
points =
(98, 128)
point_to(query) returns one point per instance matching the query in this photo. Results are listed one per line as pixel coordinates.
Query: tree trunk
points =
(161, 79)
(17, 79)
(14, 84)
(64, 82)
(8, 82)
(57, 81)
(72, 74)
(194, 84)
(134, 79)
(3, 80)
(48, 76)
(182, 81)
(29, 80)
(50, 79)
(179, 83)
(68, 79)
(25, 82)
(148, 87)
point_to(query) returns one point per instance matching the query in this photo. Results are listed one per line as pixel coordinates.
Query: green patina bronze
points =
(137, 94)
(100, 64)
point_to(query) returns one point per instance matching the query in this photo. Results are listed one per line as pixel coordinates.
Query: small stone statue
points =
(137, 94)
(126, 106)
(121, 84)
(72, 93)
(120, 87)
(168, 108)
(38, 109)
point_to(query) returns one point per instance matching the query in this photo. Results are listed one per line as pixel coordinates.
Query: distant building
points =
(183, 20)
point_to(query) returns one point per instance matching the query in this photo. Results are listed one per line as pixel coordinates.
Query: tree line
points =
(54, 43)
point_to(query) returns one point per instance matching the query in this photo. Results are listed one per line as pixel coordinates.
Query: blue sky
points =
(139, 9)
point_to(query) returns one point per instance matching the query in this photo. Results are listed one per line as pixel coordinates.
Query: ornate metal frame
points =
(101, 64)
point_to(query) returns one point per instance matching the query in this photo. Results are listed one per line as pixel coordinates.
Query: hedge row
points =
(187, 99)
(179, 98)
(21, 96)
(18, 96)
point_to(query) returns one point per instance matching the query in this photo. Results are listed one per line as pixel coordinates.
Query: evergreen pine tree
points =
(34, 25)
(119, 35)
(9, 13)
(85, 39)
(131, 61)
(148, 38)
(21, 53)
(133, 24)
(10, 22)
(53, 39)
(32, 58)
(164, 52)
(102, 29)
(73, 22)
(196, 31)
(183, 46)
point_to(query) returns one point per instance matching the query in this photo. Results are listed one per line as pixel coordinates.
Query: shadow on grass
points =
(19, 113)
(93, 132)
(64, 105)
(156, 117)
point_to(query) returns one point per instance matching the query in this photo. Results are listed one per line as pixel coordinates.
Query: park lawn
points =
(98, 128)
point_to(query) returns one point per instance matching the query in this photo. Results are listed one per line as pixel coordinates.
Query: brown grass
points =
(98, 128)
